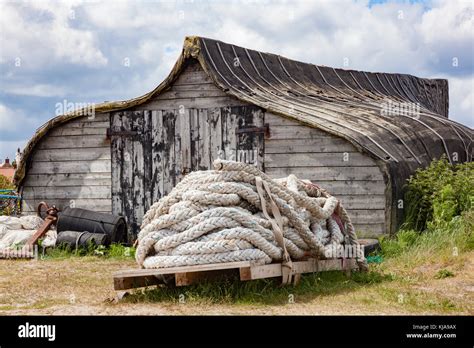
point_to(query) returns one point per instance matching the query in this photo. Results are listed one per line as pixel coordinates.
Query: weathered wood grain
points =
(116, 165)
(72, 142)
(77, 154)
(324, 144)
(191, 103)
(69, 179)
(64, 167)
(317, 159)
(370, 173)
(68, 131)
(67, 192)
(95, 204)
(157, 145)
(296, 132)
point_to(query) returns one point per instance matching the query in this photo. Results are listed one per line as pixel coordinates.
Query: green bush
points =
(439, 204)
(452, 238)
(438, 193)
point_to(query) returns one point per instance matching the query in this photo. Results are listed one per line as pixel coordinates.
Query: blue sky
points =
(51, 51)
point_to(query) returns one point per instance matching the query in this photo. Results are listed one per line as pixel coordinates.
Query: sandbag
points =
(31, 222)
(75, 239)
(76, 219)
(10, 222)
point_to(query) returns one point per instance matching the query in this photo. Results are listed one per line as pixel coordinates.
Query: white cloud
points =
(13, 120)
(461, 100)
(39, 33)
(39, 90)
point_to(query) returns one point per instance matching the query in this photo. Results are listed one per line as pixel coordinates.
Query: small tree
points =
(5, 183)
(7, 205)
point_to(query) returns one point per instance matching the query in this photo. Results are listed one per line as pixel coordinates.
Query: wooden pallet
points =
(180, 276)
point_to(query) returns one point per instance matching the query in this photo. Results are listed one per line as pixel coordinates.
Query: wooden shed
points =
(351, 132)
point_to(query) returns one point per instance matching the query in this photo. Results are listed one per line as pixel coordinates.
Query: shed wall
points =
(331, 162)
(71, 166)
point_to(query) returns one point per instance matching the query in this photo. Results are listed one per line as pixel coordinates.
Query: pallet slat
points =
(187, 275)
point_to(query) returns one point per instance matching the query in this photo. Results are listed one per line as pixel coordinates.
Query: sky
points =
(54, 53)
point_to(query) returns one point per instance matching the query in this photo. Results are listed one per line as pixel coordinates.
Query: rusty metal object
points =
(50, 219)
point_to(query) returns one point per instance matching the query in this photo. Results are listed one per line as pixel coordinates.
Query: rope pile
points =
(221, 215)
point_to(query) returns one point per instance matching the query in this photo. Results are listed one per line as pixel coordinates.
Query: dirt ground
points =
(84, 286)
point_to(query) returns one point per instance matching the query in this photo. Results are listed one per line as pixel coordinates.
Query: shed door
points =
(153, 149)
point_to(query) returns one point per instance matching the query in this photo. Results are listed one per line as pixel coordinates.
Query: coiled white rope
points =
(221, 216)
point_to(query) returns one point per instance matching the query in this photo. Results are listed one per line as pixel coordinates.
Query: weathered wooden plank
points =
(79, 125)
(204, 141)
(195, 87)
(369, 173)
(181, 269)
(77, 154)
(290, 146)
(371, 216)
(85, 124)
(215, 134)
(193, 77)
(185, 137)
(353, 187)
(191, 103)
(126, 179)
(370, 229)
(95, 204)
(188, 278)
(169, 165)
(178, 168)
(276, 120)
(147, 143)
(249, 144)
(298, 267)
(362, 201)
(72, 142)
(157, 148)
(53, 167)
(135, 282)
(296, 132)
(97, 117)
(138, 170)
(259, 121)
(229, 140)
(315, 159)
(67, 192)
(170, 95)
(194, 146)
(73, 179)
(116, 166)
(63, 131)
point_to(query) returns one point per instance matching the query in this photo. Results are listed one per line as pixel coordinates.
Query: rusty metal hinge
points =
(265, 130)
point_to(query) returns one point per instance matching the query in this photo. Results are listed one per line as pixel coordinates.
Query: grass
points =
(114, 251)
(444, 273)
(263, 292)
(410, 249)
(409, 261)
